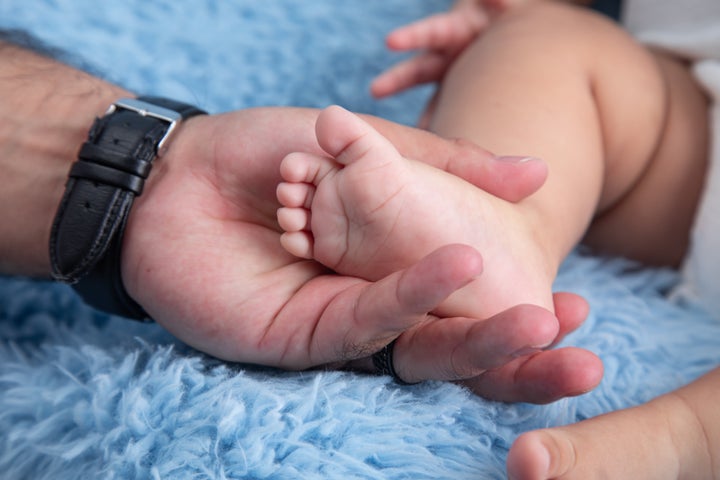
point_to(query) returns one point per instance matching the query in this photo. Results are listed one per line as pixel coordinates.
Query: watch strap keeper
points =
(112, 166)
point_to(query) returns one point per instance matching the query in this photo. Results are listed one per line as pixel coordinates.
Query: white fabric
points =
(691, 29)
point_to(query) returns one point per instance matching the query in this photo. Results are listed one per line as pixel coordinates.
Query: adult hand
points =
(202, 251)
(202, 255)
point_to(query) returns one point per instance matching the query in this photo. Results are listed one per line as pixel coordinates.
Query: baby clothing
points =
(691, 29)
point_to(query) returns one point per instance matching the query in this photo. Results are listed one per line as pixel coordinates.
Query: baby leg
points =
(621, 128)
(367, 211)
(624, 133)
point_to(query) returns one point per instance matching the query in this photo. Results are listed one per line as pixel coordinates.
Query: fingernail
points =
(525, 351)
(515, 159)
(530, 349)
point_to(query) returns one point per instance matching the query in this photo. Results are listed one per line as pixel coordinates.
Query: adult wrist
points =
(46, 109)
(87, 233)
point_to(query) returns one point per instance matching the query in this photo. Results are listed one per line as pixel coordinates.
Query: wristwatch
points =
(112, 166)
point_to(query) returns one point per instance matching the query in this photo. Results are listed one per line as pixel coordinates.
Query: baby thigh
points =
(652, 222)
(564, 84)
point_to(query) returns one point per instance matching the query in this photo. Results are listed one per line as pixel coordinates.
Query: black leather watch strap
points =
(86, 236)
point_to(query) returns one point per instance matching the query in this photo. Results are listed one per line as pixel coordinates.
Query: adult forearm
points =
(46, 110)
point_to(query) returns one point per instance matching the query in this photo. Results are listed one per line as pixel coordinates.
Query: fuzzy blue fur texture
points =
(87, 396)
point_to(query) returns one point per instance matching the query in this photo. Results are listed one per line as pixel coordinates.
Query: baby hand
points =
(440, 38)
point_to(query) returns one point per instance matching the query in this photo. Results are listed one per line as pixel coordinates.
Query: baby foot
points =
(367, 211)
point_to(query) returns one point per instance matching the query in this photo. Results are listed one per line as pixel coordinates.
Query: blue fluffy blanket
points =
(85, 395)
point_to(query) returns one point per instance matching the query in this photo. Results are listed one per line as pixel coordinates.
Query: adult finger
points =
(388, 307)
(461, 348)
(571, 311)
(511, 178)
(541, 377)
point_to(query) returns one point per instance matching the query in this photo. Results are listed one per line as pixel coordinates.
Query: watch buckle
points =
(147, 109)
